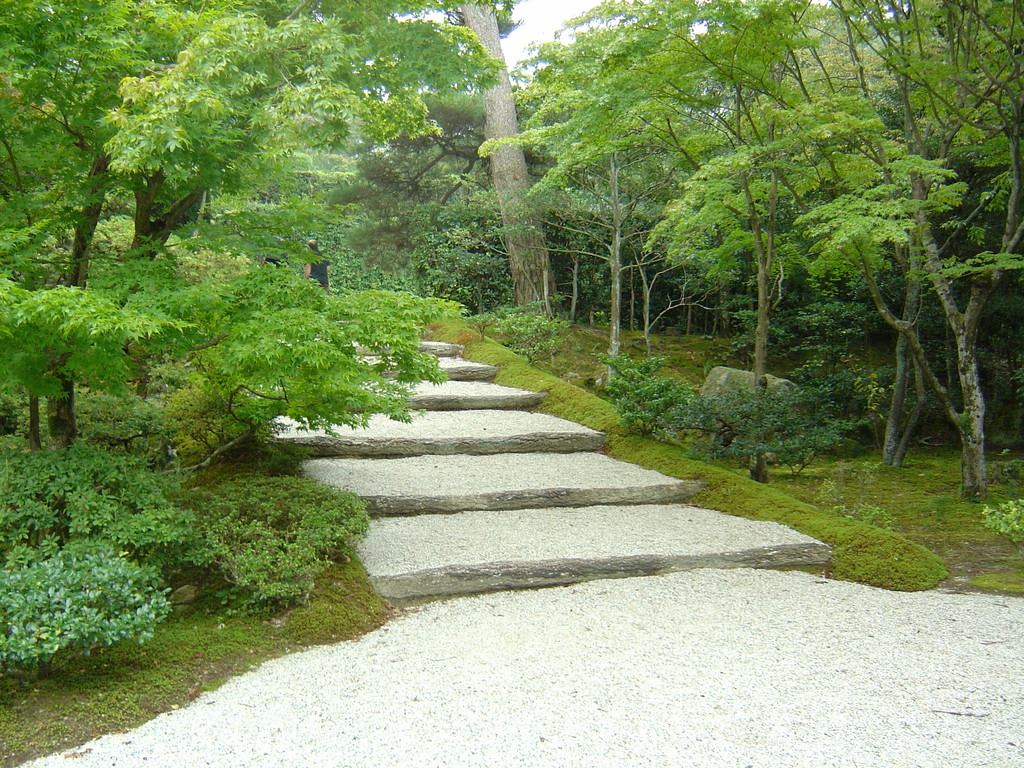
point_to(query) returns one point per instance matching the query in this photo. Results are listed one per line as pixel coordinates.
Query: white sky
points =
(541, 19)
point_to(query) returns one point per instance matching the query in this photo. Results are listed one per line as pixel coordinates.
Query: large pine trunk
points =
(527, 251)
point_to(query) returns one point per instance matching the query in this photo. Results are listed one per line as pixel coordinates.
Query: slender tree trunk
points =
(575, 288)
(35, 443)
(915, 417)
(62, 421)
(529, 261)
(896, 425)
(895, 422)
(764, 246)
(615, 260)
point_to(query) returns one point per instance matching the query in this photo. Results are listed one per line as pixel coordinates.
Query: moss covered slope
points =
(862, 552)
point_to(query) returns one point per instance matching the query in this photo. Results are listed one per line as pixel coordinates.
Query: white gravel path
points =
(704, 669)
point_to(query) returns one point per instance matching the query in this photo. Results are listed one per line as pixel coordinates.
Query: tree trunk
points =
(528, 257)
(35, 442)
(62, 422)
(895, 422)
(615, 260)
(915, 417)
(575, 288)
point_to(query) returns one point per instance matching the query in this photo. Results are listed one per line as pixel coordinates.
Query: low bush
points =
(530, 333)
(648, 404)
(86, 496)
(1007, 519)
(72, 603)
(270, 536)
(793, 426)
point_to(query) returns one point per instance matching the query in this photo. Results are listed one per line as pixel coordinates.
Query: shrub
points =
(792, 425)
(647, 404)
(1007, 519)
(530, 333)
(73, 603)
(127, 423)
(271, 535)
(49, 499)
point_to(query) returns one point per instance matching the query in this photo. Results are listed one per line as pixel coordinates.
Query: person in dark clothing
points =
(318, 267)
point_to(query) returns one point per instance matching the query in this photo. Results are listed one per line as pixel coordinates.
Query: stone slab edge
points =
(534, 442)
(455, 580)
(443, 402)
(536, 498)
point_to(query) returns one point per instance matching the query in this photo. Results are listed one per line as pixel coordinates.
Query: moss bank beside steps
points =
(862, 553)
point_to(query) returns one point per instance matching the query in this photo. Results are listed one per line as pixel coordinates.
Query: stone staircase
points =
(477, 494)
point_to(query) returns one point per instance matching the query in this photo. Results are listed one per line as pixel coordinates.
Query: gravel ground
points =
(704, 669)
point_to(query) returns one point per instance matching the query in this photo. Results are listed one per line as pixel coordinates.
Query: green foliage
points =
(73, 603)
(791, 425)
(127, 423)
(844, 493)
(1007, 519)
(271, 536)
(530, 333)
(83, 497)
(648, 404)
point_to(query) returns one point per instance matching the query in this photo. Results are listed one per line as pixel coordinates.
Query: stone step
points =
(446, 484)
(450, 432)
(429, 556)
(458, 369)
(436, 348)
(455, 368)
(471, 395)
(441, 348)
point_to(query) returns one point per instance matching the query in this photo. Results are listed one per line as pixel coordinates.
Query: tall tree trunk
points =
(764, 247)
(62, 420)
(897, 428)
(615, 261)
(35, 442)
(528, 257)
(575, 288)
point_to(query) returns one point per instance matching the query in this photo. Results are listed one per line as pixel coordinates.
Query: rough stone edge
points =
(326, 446)
(442, 402)
(535, 498)
(464, 370)
(454, 580)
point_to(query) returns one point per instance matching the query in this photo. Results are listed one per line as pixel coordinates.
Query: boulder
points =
(722, 379)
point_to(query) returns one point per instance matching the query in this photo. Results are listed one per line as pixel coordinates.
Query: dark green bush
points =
(126, 423)
(792, 425)
(271, 535)
(648, 404)
(83, 495)
(530, 333)
(72, 603)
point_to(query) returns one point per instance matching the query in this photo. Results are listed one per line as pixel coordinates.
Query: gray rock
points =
(722, 379)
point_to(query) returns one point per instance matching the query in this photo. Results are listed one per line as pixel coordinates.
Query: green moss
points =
(1004, 582)
(343, 605)
(862, 552)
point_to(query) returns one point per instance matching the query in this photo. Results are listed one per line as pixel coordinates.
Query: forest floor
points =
(919, 500)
